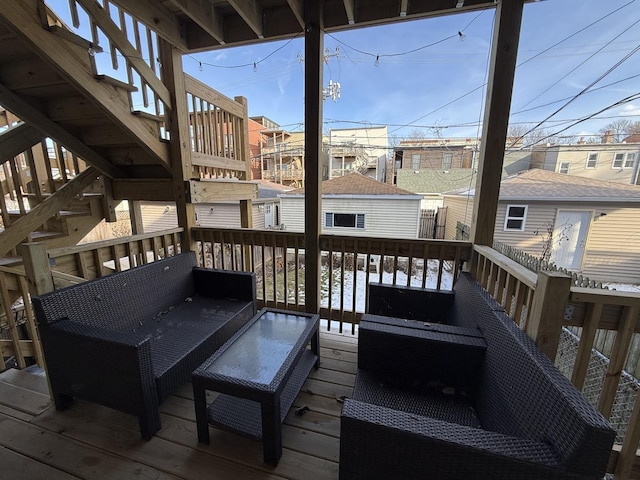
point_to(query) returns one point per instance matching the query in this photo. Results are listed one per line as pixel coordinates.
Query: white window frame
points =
(358, 218)
(590, 160)
(447, 160)
(416, 157)
(564, 167)
(508, 217)
(621, 160)
(629, 157)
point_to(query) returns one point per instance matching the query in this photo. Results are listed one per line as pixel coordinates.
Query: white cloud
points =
(631, 110)
(220, 56)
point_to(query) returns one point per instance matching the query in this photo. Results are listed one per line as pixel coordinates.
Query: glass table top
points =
(261, 350)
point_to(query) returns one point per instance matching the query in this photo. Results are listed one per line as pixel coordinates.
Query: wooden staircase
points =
(76, 130)
(74, 118)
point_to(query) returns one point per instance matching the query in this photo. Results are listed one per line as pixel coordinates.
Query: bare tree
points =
(619, 129)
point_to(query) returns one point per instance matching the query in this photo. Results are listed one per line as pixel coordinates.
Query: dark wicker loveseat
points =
(130, 339)
(475, 398)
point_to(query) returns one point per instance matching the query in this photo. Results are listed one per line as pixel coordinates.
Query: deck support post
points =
(180, 142)
(313, 49)
(544, 324)
(502, 67)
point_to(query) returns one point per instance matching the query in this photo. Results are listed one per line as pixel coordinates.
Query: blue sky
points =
(410, 91)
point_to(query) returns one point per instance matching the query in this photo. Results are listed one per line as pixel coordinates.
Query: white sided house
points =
(357, 205)
(265, 211)
(588, 226)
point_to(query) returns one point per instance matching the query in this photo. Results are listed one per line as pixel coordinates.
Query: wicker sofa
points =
(130, 339)
(464, 395)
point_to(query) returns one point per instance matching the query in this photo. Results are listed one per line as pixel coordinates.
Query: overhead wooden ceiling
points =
(195, 25)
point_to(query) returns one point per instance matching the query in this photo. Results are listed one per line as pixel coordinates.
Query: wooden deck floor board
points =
(91, 441)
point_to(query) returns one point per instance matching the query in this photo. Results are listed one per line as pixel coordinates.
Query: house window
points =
(624, 160)
(447, 160)
(630, 160)
(515, 218)
(564, 167)
(344, 220)
(415, 161)
(592, 160)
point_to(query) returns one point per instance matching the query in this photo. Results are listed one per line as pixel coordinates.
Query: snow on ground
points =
(622, 287)
(347, 286)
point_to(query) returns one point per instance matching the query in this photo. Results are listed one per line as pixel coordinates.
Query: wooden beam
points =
(71, 62)
(504, 50)
(157, 17)
(120, 40)
(297, 7)
(135, 215)
(350, 10)
(251, 13)
(313, 66)
(149, 189)
(17, 140)
(213, 161)
(211, 191)
(49, 128)
(39, 214)
(204, 14)
(180, 143)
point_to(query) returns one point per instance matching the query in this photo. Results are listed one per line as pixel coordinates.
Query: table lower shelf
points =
(244, 416)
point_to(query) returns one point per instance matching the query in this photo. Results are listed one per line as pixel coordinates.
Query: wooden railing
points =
(348, 265)
(219, 132)
(97, 259)
(592, 310)
(63, 267)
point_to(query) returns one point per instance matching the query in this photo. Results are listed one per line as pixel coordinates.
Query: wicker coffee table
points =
(258, 373)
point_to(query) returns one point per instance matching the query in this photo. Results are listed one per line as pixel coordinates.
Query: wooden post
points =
(244, 154)
(37, 268)
(547, 311)
(313, 50)
(504, 50)
(180, 145)
(39, 279)
(135, 217)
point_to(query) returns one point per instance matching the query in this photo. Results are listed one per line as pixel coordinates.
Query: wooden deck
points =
(89, 441)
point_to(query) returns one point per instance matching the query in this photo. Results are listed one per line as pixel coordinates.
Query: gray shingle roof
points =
(545, 185)
(355, 184)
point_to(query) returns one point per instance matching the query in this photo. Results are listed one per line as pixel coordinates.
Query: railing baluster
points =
(616, 364)
(583, 355)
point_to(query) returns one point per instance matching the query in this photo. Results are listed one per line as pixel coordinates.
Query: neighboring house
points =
(420, 167)
(362, 150)
(256, 139)
(614, 162)
(586, 225)
(265, 211)
(357, 205)
(282, 157)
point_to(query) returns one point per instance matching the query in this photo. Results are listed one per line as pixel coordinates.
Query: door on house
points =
(268, 216)
(570, 238)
